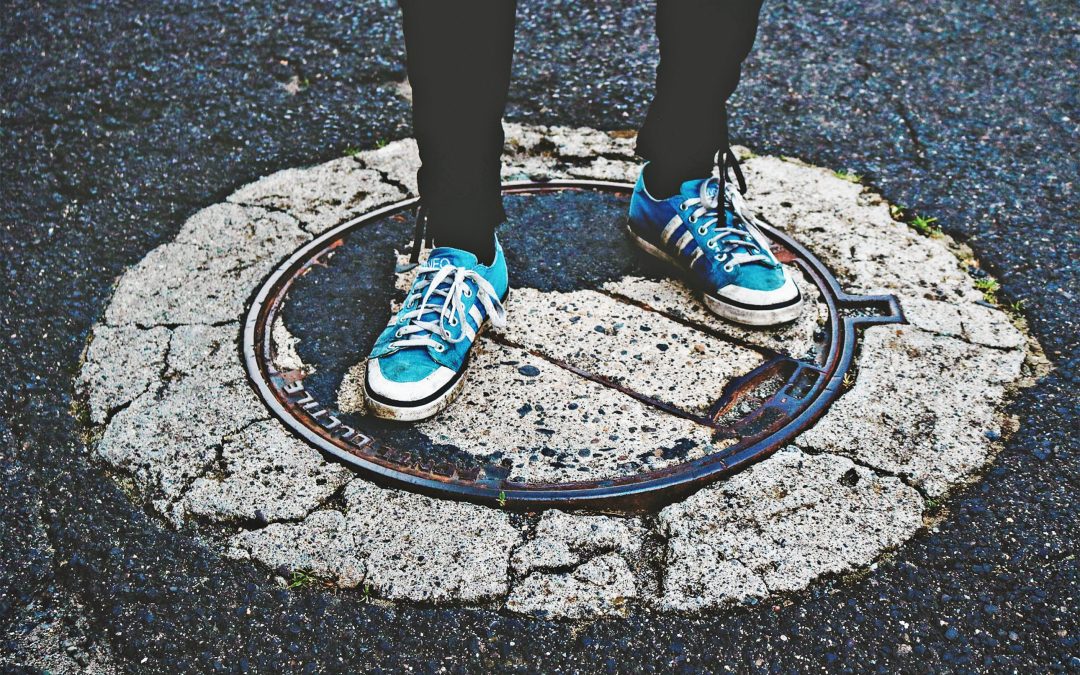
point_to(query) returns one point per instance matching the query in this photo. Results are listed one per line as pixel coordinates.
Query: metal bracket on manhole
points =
(607, 436)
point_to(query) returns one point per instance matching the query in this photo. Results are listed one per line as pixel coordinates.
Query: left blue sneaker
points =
(416, 367)
(729, 261)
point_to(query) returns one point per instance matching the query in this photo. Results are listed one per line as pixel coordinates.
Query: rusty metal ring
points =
(808, 391)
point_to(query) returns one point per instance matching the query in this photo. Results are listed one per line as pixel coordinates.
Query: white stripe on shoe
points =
(683, 241)
(476, 316)
(697, 256)
(670, 228)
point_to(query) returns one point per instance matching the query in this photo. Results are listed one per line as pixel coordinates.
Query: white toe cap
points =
(756, 298)
(406, 391)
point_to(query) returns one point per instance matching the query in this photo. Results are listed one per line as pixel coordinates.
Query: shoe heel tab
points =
(640, 185)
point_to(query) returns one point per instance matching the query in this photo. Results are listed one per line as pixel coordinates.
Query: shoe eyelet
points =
(702, 231)
(729, 268)
(453, 321)
(691, 220)
(468, 292)
(440, 349)
(397, 333)
(683, 206)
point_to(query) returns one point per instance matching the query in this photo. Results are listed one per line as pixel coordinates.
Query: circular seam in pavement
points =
(167, 390)
(806, 391)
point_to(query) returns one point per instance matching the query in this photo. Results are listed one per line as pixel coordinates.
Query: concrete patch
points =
(433, 550)
(602, 587)
(321, 544)
(321, 196)
(206, 352)
(266, 475)
(968, 321)
(922, 406)
(852, 231)
(286, 358)
(401, 545)
(165, 385)
(167, 442)
(397, 162)
(575, 566)
(778, 526)
(564, 540)
(203, 278)
(121, 364)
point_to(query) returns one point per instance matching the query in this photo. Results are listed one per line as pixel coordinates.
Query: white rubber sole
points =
(743, 315)
(415, 413)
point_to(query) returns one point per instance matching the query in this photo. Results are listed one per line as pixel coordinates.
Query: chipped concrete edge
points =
(299, 211)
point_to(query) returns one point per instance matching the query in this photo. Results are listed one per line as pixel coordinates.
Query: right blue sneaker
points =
(727, 259)
(416, 367)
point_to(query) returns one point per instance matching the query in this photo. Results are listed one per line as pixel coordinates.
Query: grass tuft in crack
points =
(849, 176)
(989, 287)
(932, 506)
(927, 227)
(302, 579)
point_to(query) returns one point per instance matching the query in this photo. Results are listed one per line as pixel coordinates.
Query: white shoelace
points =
(450, 284)
(726, 241)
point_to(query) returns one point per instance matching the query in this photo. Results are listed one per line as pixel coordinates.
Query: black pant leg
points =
(458, 55)
(702, 46)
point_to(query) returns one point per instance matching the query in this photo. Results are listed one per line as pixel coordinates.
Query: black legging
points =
(459, 54)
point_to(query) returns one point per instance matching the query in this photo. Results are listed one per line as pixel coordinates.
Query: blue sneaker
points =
(729, 262)
(415, 368)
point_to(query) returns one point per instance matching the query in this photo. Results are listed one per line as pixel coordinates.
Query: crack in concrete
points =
(386, 178)
(877, 471)
(204, 470)
(272, 209)
(656, 560)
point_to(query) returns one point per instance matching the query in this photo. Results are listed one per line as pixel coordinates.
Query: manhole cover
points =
(608, 389)
(610, 386)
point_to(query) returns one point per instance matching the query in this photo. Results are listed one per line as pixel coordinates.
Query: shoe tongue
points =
(693, 189)
(444, 256)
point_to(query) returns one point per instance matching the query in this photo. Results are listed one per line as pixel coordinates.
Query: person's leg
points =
(458, 57)
(458, 54)
(702, 46)
(679, 212)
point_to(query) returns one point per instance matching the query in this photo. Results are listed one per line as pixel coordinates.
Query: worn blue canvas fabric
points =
(717, 248)
(415, 367)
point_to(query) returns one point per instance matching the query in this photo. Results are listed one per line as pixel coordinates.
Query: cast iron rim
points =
(806, 395)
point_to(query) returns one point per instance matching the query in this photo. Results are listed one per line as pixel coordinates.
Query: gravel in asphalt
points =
(118, 121)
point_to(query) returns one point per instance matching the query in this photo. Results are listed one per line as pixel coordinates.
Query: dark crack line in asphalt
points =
(913, 134)
(901, 110)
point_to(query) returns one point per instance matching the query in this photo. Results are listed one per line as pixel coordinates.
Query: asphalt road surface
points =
(119, 120)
